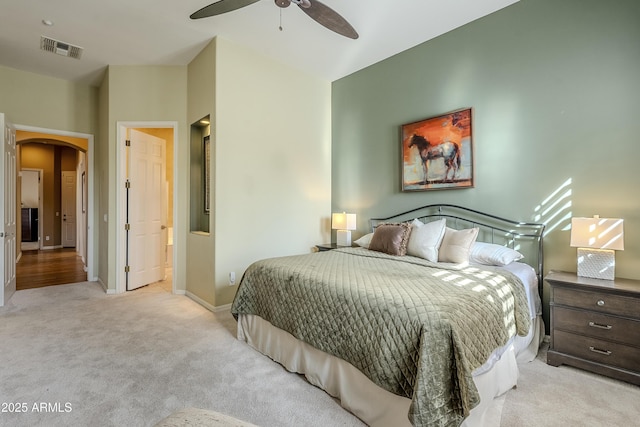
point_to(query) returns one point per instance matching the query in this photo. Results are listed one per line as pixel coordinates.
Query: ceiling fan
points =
(317, 11)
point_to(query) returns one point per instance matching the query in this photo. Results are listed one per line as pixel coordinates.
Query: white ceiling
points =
(159, 32)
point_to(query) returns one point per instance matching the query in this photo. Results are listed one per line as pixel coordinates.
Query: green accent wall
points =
(554, 87)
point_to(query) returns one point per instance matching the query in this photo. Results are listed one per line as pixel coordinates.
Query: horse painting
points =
(448, 151)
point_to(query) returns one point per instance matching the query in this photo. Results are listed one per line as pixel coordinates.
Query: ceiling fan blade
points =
(220, 7)
(328, 17)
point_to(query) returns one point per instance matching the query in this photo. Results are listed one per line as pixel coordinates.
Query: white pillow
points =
(491, 254)
(425, 239)
(364, 241)
(456, 245)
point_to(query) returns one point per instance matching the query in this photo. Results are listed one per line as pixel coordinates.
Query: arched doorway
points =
(65, 161)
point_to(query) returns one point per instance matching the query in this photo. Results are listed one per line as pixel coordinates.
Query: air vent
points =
(60, 48)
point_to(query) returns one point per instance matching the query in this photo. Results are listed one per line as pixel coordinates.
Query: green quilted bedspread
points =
(415, 328)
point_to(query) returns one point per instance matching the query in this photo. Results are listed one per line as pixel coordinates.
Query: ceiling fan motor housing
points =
(286, 3)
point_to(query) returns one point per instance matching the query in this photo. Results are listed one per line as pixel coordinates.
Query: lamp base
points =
(343, 238)
(596, 263)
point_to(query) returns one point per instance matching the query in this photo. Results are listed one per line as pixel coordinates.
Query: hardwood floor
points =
(37, 269)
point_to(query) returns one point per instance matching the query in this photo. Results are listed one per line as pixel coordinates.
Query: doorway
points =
(132, 263)
(80, 163)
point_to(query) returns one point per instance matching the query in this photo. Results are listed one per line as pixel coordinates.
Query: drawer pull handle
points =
(600, 303)
(598, 325)
(604, 352)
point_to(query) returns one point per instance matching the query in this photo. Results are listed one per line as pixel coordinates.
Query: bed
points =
(429, 335)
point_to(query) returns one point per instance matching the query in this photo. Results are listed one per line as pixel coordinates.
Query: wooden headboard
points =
(525, 237)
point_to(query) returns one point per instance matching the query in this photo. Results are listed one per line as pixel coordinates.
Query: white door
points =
(69, 209)
(8, 213)
(147, 209)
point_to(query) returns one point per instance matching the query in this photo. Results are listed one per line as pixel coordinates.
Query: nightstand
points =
(595, 325)
(327, 247)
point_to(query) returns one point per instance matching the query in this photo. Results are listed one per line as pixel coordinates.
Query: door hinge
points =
(127, 227)
(127, 142)
(126, 268)
(127, 184)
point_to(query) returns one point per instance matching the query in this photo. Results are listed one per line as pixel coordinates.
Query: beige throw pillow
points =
(425, 239)
(364, 241)
(391, 239)
(456, 245)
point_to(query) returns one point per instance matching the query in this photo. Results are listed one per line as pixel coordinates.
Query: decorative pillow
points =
(364, 241)
(391, 238)
(425, 239)
(491, 254)
(456, 245)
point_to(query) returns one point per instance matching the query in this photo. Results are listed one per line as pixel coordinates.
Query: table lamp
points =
(596, 239)
(344, 223)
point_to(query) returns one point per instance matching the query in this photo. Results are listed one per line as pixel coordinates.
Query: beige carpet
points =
(565, 396)
(133, 359)
(77, 357)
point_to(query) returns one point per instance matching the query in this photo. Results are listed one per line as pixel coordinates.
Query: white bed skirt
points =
(371, 403)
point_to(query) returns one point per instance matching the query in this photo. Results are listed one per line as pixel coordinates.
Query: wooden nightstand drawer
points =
(624, 331)
(604, 352)
(597, 301)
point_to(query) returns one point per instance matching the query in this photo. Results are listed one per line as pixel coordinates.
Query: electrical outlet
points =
(46, 238)
(232, 278)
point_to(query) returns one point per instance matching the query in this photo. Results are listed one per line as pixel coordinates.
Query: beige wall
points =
(138, 94)
(101, 186)
(40, 101)
(272, 136)
(200, 246)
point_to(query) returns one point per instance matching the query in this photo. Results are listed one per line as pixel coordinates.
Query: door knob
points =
(162, 227)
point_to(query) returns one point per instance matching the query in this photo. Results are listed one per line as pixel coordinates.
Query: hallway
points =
(37, 269)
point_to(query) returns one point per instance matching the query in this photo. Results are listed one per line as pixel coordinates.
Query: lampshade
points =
(343, 221)
(597, 233)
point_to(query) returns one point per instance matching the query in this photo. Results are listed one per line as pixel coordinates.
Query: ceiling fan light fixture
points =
(282, 3)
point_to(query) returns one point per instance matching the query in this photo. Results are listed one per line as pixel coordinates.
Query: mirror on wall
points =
(200, 175)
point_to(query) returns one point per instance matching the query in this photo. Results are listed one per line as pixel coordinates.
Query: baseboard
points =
(206, 305)
(106, 290)
(222, 308)
(18, 257)
(48, 248)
